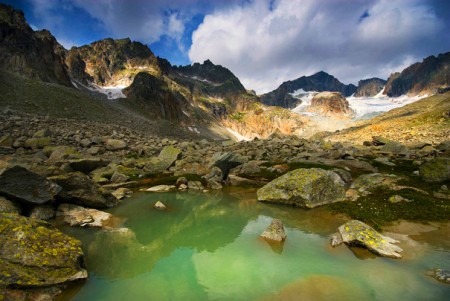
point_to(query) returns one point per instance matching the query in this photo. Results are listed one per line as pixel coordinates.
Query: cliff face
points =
(370, 87)
(320, 82)
(34, 54)
(111, 62)
(332, 104)
(427, 77)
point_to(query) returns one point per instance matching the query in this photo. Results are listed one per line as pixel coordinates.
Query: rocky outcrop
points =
(356, 233)
(27, 187)
(426, 77)
(369, 87)
(110, 62)
(275, 231)
(307, 188)
(34, 255)
(321, 81)
(332, 104)
(34, 54)
(156, 93)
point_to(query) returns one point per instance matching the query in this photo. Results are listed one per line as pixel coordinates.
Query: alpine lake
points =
(206, 246)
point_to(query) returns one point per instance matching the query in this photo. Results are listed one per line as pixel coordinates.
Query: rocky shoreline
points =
(71, 170)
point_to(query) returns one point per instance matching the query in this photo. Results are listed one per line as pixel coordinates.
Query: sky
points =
(263, 42)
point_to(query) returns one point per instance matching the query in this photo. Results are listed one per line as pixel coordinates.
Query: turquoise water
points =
(207, 247)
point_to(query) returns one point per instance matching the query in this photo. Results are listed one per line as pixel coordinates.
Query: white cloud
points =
(265, 45)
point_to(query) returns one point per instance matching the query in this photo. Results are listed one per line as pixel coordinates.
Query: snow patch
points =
(112, 92)
(305, 97)
(238, 136)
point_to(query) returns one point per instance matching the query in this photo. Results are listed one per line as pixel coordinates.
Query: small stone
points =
(398, 199)
(160, 206)
(115, 144)
(275, 231)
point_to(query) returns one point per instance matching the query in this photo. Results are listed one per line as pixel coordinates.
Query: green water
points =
(207, 247)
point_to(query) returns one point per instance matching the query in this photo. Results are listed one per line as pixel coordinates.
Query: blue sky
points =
(264, 42)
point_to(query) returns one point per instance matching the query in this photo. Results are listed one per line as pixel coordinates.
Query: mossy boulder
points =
(303, 187)
(436, 170)
(356, 233)
(165, 159)
(36, 143)
(18, 183)
(32, 254)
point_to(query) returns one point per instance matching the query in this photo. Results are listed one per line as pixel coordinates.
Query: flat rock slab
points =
(307, 188)
(20, 184)
(161, 188)
(356, 233)
(32, 254)
(275, 231)
(80, 216)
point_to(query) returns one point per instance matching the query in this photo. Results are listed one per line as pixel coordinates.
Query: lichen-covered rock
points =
(356, 233)
(79, 189)
(436, 170)
(80, 216)
(306, 188)
(18, 183)
(275, 231)
(32, 254)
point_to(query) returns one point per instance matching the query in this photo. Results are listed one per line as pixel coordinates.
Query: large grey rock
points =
(356, 233)
(436, 170)
(275, 231)
(33, 255)
(79, 189)
(115, 144)
(306, 188)
(163, 161)
(80, 216)
(226, 162)
(18, 183)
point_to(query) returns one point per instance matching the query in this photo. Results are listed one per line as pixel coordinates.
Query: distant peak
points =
(208, 62)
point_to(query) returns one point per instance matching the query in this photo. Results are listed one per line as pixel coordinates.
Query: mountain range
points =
(198, 96)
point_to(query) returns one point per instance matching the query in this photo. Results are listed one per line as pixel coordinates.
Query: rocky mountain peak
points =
(370, 87)
(13, 17)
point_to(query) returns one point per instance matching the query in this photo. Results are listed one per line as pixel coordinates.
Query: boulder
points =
(118, 177)
(18, 183)
(165, 159)
(226, 162)
(306, 188)
(394, 147)
(59, 153)
(275, 231)
(356, 233)
(161, 188)
(78, 188)
(196, 185)
(35, 143)
(33, 255)
(160, 206)
(7, 206)
(43, 212)
(115, 144)
(122, 192)
(80, 216)
(436, 170)
(87, 165)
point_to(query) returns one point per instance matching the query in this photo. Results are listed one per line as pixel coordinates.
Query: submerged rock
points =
(80, 216)
(32, 254)
(159, 205)
(306, 188)
(442, 275)
(27, 187)
(356, 233)
(275, 231)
